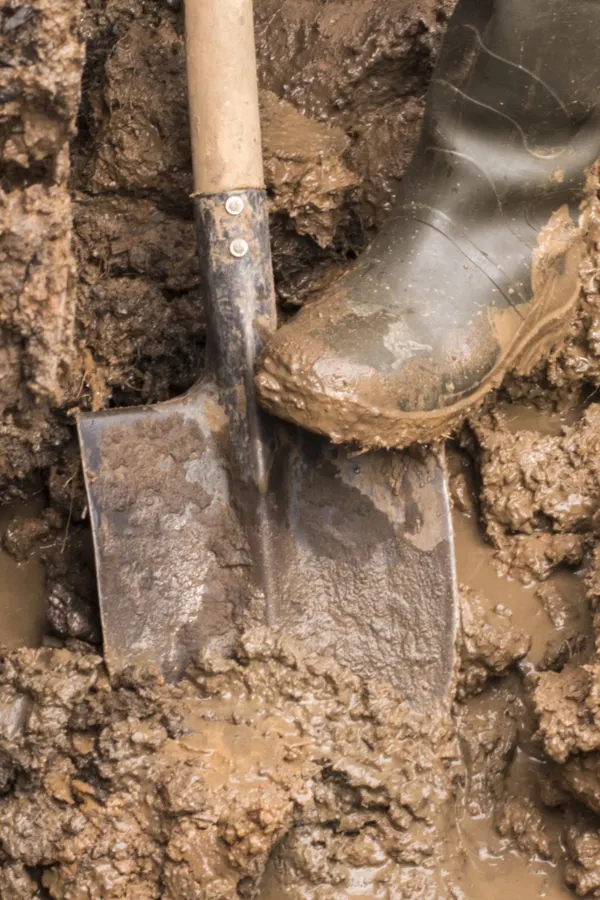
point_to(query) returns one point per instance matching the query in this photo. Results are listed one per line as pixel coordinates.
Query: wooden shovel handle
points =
(223, 95)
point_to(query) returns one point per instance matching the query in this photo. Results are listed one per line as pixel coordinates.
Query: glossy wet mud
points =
(102, 790)
(299, 780)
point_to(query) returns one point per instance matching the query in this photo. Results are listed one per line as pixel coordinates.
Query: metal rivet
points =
(238, 247)
(234, 205)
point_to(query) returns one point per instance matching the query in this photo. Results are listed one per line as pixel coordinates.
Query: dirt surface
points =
(274, 774)
(42, 61)
(140, 790)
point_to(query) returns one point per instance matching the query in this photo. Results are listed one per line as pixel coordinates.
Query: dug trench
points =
(275, 773)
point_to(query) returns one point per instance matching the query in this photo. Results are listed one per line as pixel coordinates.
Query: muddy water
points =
(476, 569)
(493, 869)
(22, 589)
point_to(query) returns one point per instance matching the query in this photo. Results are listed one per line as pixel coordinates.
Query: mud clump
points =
(583, 872)
(139, 789)
(303, 166)
(533, 481)
(540, 493)
(489, 643)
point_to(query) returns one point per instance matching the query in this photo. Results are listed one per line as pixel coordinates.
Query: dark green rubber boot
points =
(477, 269)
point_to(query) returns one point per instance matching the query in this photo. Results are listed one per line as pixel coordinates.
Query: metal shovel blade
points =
(361, 546)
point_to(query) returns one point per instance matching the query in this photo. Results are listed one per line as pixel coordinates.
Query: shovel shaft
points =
(223, 95)
(232, 229)
(240, 310)
(233, 243)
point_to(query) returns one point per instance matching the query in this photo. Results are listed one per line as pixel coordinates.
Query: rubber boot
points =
(477, 269)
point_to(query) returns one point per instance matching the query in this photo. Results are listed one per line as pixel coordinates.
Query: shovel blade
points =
(360, 546)
(171, 558)
(368, 573)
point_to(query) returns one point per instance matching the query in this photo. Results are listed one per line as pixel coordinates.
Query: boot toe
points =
(364, 378)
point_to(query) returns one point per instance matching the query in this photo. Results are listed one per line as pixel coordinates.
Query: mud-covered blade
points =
(369, 572)
(171, 559)
(360, 547)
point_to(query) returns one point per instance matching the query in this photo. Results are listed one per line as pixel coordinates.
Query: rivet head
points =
(234, 205)
(238, 247)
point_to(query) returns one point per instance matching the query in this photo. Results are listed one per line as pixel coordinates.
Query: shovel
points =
(209, 517)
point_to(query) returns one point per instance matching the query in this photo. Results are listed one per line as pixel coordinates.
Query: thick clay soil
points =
(274, 774)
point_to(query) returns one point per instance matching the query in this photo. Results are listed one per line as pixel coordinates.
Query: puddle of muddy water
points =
(22, 588)
(527, 417)
(493, 869)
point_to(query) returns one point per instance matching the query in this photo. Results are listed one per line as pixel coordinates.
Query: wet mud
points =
(280, 774)
(137, 789)
(273, 773)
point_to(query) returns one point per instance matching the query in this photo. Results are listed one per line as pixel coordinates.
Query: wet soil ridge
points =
(143, 790)
(40, 79)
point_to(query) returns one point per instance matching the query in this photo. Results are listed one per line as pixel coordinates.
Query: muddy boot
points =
(477, 269)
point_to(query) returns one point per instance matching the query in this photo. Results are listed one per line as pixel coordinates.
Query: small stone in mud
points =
(461, 493)
(555, 605)
(562, 650)
(71, 616)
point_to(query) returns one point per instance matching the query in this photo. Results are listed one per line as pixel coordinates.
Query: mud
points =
(137, 789)
(540, 493)
(278, 774)
(274, 774)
